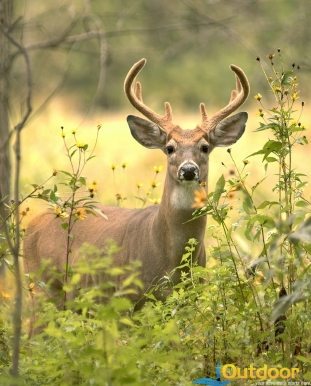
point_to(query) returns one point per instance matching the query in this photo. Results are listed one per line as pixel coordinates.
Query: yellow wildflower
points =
(81, 145)
(31, 287)
(199, 198)
(258, 97)
(93, 187)
(295, 96)
(157, 169)
(60, 212)
(260, 113)
(154, 185)
(81, 213)
(118, 197)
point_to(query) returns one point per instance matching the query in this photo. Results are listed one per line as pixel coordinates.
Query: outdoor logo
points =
(230, 372)
(212, 381)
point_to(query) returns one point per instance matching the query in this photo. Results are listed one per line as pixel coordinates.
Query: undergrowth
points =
(241, 309)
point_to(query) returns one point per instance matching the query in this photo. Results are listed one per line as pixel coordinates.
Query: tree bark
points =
(6, 11)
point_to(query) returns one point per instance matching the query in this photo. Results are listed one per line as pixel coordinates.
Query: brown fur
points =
(156, 236)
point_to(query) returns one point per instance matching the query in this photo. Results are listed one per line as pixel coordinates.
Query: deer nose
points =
(188, 171)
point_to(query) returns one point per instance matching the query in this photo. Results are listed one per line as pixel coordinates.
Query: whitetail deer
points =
(155, 235)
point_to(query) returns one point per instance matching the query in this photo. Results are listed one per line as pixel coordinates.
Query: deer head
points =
(187, 150)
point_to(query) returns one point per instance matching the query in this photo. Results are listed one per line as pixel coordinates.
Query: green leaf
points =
(129, 280)
(120, 304)
(247, 204)
(72, 153)
(261, 151)
(116, 271)
(75, 279)
(263, 220)
(302, 140)
(301, 204)
(82, 180)
(271, 159)
(273, 126)
(53, 196)
(264, 204)
(269, 147)
(272, 147)
(304, 359)
(127, 322)
(64, 172)
(293, 128)
(46, 191)
(219, 189)
(303, 233)
(287, 78)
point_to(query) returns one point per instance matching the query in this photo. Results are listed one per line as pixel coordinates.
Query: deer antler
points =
(238, 97)
(134, 95)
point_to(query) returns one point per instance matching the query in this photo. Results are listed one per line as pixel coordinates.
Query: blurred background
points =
(80, 51)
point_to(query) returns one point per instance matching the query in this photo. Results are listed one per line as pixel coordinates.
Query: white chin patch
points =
(182, 196)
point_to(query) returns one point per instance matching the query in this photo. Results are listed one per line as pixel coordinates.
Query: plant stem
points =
(256, 211)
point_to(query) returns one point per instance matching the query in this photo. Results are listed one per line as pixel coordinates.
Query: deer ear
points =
(146, 133)
(229, 130)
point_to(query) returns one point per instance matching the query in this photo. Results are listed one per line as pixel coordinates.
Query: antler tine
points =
(135, 97)
(238, 97)
(203, 114)
(167, 105)
(168, 111)
(234, 93)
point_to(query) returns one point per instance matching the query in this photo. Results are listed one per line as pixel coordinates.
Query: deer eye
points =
(204, 148)
(170, 149)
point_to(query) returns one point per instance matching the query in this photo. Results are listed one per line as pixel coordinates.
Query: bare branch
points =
(53, 43)
(97, 25)
(19, 126)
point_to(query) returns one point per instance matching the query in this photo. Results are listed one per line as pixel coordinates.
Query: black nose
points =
(188, 172)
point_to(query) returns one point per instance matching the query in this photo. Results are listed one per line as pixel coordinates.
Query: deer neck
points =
(174, 214)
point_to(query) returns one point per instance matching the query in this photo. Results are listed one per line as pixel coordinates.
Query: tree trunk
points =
(6, 10)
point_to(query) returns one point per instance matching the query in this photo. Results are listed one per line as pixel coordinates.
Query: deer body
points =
(155, 235)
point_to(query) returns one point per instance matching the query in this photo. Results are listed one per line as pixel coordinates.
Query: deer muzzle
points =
(188, 171)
